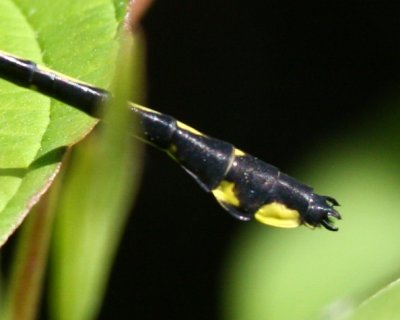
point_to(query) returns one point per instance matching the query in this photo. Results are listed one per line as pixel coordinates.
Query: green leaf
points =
(383, 306)
(74, 37)
(120, 8)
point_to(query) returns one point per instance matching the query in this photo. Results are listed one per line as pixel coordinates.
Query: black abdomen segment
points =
(204, 158)
(27, 74)
(252, 188)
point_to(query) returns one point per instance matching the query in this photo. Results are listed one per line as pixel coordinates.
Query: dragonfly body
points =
(244, 185)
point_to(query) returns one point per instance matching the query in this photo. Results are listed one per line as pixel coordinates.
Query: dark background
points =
(276, 79)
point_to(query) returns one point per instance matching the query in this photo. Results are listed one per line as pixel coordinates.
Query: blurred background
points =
(312, 89)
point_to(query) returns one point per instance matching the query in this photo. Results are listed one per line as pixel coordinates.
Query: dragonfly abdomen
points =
(206, 159)
(244, 185)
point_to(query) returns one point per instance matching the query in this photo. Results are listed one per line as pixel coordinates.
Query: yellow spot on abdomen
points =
(278, 215)
(138, 106)
(183, 126)
(224, 193)
(239, 153)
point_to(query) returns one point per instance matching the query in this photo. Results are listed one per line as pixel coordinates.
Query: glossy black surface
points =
(209, 161)
(27, 74)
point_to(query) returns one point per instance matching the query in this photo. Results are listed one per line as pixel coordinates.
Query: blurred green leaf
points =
(73, 37)
(383, 306)
(97, 192)
(302, 274)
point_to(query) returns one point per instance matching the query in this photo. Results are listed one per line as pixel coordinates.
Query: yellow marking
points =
(239, 153)
(187, 128)
(137, 106)
(278, 215)
(224, 193)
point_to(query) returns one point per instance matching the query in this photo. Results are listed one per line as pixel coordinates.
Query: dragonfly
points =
(245, 186)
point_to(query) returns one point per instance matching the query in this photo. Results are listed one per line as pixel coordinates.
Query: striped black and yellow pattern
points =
(244, 185)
